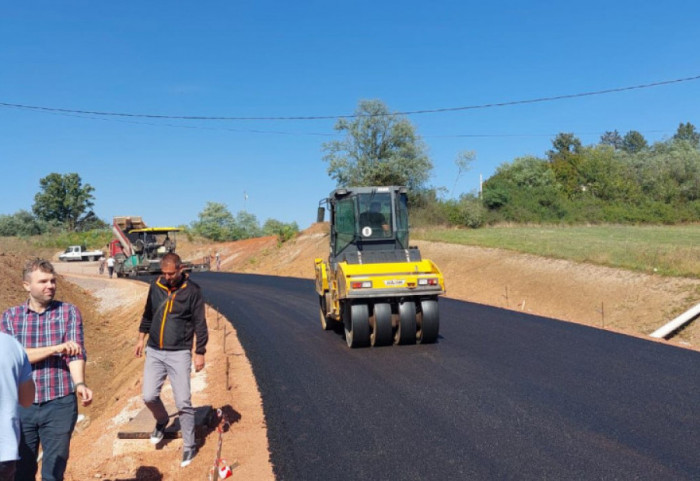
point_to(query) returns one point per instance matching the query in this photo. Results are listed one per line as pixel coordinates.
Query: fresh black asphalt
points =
(502, 395)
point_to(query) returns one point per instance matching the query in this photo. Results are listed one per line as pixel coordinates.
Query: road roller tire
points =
(380, 325)
(428, 322)
(357, 326)
(406, 330)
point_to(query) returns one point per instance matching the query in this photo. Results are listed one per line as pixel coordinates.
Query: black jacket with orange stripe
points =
(173, 315)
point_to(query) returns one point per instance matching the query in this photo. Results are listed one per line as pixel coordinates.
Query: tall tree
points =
(688, 133)
(634, 142)
(565, 159)
(215, 222)
(379, 148)
(564, 143)
(63, 199)
(613, 139)
(247, 226)
(463, 162)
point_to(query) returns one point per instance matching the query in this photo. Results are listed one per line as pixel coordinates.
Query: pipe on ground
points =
(678, 322)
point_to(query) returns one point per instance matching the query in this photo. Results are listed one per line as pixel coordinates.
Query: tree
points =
(565, 159)
(564, 143)
(380, 148)
(283, 231)
(89, 222)
(634, 142)
(246, 226)
(63, 200)
(606, 176)
(215, 222)
(613, 139)
(688, 133)
(464, 162)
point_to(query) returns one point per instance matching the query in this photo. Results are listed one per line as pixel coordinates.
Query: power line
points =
(319, 134)
(191, 127)
(578, 134)
(329, 117)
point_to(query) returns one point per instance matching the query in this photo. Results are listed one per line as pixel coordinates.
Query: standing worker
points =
(110, 266)
(173, 316)
(52, 334)
(16, 388)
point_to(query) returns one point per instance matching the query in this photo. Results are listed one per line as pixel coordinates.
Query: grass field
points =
(665, 250)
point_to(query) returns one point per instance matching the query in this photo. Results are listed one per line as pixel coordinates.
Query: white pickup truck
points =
(78, 253)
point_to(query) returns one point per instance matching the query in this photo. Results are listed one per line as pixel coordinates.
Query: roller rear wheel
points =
(357, 326)
(380, 324)
(406, 330)
(428, 322)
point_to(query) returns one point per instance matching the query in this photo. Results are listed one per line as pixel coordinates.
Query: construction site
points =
(112, 309)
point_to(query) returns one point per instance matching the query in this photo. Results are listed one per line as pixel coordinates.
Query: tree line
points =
(64, 204)
(621, 179)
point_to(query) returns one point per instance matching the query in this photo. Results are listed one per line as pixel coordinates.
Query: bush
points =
(284, 232)
(21, 224)
(93, 239)
(467, 212)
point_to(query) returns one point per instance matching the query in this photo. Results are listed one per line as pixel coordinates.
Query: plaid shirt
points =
(60, 322)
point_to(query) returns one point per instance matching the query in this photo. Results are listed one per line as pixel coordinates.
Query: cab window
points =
(375, 215)
(344, 224)
(402, 220)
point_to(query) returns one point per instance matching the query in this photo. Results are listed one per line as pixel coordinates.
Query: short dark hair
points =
(36, 264)
(171, 258)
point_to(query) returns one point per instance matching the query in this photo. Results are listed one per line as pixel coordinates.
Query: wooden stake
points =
(228, 365)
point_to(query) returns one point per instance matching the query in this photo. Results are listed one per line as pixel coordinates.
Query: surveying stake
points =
(221, 467)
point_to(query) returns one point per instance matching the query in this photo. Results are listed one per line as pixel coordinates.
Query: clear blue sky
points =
(298, 58)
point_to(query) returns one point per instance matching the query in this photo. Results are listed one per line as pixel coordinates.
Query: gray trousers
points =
(176, 366)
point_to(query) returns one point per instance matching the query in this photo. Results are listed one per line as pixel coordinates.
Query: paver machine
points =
(137, 249)
(374, 283)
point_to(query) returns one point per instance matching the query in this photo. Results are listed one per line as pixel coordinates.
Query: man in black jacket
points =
(173, 316)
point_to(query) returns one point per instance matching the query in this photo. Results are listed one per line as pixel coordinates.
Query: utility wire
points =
(328, 117)
(315, 134)
(191, 127)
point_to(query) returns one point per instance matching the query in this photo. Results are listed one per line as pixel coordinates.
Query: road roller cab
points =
(374, 283)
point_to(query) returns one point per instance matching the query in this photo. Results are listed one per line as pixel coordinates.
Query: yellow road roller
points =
(374, 283)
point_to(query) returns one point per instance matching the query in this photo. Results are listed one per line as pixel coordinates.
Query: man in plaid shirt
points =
(52, 334)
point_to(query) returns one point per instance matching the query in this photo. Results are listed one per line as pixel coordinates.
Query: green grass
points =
(94, 239)
(665, 250)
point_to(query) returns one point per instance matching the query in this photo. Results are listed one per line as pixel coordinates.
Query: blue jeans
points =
(50, 423)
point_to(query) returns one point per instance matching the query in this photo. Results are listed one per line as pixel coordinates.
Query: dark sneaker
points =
(187, 457)
(158, 433)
